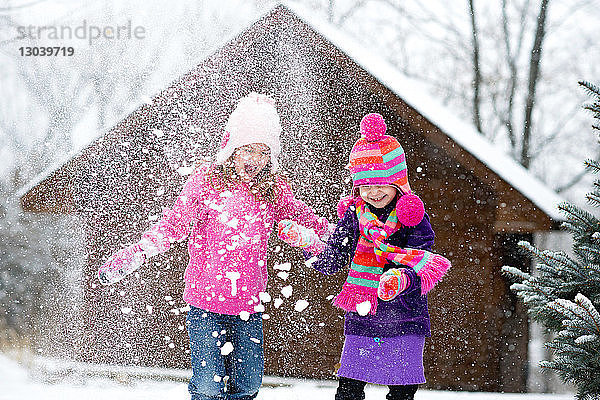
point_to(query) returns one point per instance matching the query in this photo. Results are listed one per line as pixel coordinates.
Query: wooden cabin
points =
(480, 202)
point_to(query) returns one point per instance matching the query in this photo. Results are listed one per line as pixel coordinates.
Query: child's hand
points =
(121, 264)
(327, 229)
(298, 236)
(291, 233)
(392, 283)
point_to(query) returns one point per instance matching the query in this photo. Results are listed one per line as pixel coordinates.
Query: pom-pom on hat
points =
(373, 127)
(377, 158)
(254, 120)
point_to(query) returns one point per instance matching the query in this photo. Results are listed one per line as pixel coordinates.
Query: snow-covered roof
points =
(464, 134)
(61, 161)
(42, 176)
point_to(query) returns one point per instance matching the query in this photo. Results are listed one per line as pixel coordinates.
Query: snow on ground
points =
(19, 383)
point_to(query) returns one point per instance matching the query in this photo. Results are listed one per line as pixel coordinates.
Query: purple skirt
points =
(384, 361)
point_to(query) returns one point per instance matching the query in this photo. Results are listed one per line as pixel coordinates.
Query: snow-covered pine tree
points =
(564, 292)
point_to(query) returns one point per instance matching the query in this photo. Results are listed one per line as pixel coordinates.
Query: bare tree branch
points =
(512, 80)
(21, 6)
(556, 132)
(343, 17)
(534, 72)
(476, 69)
(576, 179)
(574, 7)
(330, 11)
(428, 17)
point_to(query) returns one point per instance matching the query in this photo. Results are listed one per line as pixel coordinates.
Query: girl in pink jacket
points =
(226, 210)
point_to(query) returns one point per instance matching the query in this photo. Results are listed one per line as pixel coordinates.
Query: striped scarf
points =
(371, 256)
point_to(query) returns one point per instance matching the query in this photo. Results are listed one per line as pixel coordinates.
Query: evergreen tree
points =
(564, 293)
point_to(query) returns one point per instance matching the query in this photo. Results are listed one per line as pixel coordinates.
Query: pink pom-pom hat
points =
(254, 120)
(377, 158)
(373, 127)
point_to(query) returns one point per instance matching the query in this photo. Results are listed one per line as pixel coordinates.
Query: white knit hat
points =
(254, 120)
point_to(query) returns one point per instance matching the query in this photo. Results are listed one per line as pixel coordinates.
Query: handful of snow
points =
(363, 308)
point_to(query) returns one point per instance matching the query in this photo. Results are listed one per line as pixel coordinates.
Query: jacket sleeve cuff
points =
(316, 248)
(414, 280)
(154, 242)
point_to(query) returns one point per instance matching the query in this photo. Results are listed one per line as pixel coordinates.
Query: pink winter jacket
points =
(228, 233)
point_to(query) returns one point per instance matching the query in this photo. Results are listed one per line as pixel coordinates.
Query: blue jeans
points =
(220, 371)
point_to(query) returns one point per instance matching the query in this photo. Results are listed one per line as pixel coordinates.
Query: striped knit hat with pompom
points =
(378, 159)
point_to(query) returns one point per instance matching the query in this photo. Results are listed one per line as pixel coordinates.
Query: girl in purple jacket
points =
(386, 234)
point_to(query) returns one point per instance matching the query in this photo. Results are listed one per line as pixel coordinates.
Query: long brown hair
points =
(263, 186)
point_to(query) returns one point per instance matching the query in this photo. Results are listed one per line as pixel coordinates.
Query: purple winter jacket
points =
(408, 312)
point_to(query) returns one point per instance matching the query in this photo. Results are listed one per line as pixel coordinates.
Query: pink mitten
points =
(324, 229)
(155, 241)
(392, 283)
(298, 236)
(289, 232)
(120, 264)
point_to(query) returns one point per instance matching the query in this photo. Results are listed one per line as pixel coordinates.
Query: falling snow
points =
(301, 305)
(287, 291)
(244, 315)
(227, 348)
(178, 159)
